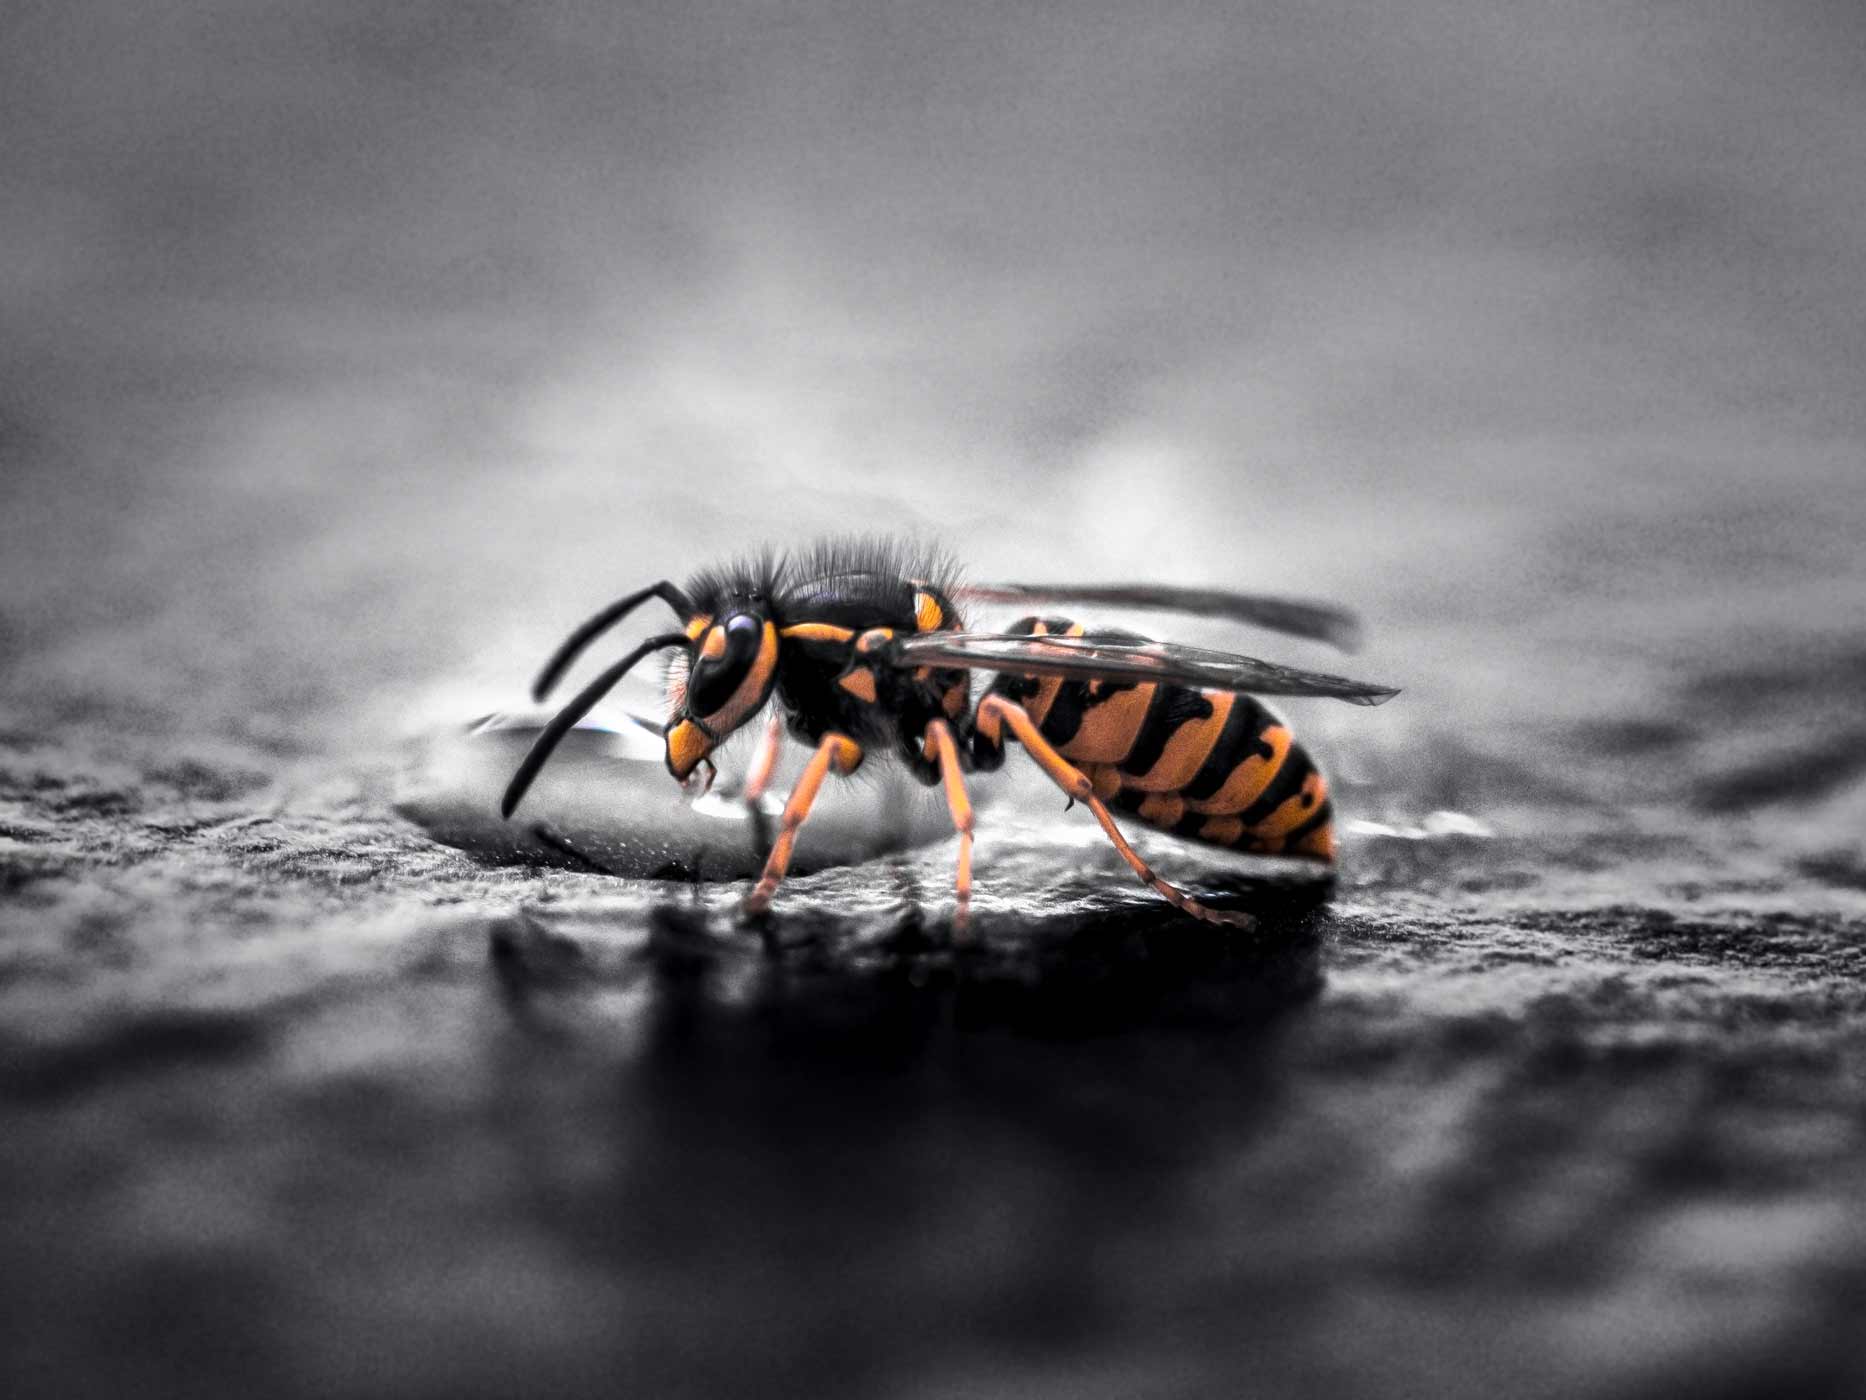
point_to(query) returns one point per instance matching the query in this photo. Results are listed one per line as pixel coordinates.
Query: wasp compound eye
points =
(726, 656)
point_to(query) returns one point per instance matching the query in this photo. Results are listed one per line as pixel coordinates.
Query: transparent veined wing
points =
(1298, 617)
(1126, 662)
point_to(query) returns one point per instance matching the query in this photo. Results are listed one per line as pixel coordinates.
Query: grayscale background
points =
(352, 352)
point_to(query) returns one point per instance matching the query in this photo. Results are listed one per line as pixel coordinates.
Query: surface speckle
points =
(1550, 1113)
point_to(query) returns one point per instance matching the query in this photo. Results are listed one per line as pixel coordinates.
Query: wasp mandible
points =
(864, 647)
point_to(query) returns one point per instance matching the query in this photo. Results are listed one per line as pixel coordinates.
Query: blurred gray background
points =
(351, 352)
(388, 338)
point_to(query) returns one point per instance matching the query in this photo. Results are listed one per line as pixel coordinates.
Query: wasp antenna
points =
(655, 726)
(566, 719)
(574, 644)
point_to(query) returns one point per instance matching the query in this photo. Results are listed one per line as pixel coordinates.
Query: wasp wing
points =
(1138, 661)
(1297, 616)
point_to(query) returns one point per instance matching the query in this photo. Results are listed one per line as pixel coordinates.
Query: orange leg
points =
(758, 778)
(939, 741)
(836, 751)
(764, 761)
(995, 710)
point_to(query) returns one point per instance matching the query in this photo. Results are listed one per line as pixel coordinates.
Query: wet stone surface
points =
(1551, 1098)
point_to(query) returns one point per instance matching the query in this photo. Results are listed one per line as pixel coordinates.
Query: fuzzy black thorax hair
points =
(856, 565)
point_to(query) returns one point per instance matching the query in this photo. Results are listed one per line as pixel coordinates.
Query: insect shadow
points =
(824, 982)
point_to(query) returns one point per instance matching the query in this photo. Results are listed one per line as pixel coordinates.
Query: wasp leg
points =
(758, 778)
(939, 742)
(836, 751)
(994, 711)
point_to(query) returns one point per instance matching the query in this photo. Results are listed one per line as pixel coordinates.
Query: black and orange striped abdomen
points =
(1205, 765)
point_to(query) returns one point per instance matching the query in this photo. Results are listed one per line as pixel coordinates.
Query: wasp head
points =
(732, 667)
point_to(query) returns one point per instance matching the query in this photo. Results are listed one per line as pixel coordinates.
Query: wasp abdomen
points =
(1205, 765)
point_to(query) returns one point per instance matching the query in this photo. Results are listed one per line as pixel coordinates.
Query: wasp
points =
(863, 647)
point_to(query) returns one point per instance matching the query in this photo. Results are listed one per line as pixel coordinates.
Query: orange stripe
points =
(1319, 843)
(1293, 813)
(1109, 729)
(751, 690)
(1038, 705)
(1188, 748)
(1221, 831)
(817, 632)
(1162, 809)
(1248, 780)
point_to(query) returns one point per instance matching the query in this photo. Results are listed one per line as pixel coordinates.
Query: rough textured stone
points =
(297, 1100)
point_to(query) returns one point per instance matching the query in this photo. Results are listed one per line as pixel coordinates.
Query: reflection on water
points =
(892, 1158)
(606, 803)
(1083, 966)
(1439, 823)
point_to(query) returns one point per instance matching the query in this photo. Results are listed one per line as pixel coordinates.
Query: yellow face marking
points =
(686, 746)
(751, 690)
(1248, 780)
(859, 683)
(698, 625)
(753, 686)
(927, 614)
(1187, 748)
(817, 632)
(714, 646)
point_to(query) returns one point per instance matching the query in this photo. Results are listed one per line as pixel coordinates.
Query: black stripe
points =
(987, 754)
(1285, 785)
(1064, 716)
(1014, 688)
(1190, 824)
(1241, 738)
(1113, 634)
(1315, 820)
(1011, 686)
(1172, 706)
(1128, 800)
